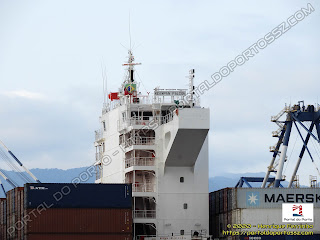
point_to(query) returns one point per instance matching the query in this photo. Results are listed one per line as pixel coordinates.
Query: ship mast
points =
(127, 85)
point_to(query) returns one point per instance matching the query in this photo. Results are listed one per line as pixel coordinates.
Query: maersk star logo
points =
(253, 198)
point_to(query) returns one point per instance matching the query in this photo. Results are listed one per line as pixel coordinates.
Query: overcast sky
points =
(51, 86)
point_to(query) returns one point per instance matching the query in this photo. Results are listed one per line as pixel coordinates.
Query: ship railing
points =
(98, 171)
(167, 118)
(147, 99)
(140, 141)
(149, 237)
(141, 99)
(144, 214)
(99, 156)
(140, 161)
(121, 125)
(143, 187)
(140, 120)
(98, 134)
(146, 120)
(150, 99)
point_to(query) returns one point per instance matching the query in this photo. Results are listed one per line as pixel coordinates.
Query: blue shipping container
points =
(68, 195)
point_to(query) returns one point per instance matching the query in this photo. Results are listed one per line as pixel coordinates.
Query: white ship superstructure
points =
(159, 143)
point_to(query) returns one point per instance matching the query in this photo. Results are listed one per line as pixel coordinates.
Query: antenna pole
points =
(104, 82)
(106, 86)
(191, 87)
(129, 32)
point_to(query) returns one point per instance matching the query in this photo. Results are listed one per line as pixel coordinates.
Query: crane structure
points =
(16, 166)
(296, 115)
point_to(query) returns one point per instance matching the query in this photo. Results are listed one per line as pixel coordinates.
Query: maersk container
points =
(265, 207)
(63, 195)
(233, 198)
(274, 197)
(254, 218)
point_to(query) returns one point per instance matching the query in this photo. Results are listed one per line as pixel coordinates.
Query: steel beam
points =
(297, 120)
(305, 143)
(283, 153)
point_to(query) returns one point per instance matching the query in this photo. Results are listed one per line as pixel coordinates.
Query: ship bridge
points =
(158, 143)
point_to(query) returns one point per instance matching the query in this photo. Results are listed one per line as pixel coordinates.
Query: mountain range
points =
(55, 175)
(49, 175)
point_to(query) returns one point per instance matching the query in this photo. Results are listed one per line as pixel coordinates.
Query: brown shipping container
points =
(79, 237)
(3, 219)
(80, 220)
(61, 223)
(13, 213)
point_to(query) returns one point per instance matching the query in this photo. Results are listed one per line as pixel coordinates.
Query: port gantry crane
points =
(298, 114)
(12, 165)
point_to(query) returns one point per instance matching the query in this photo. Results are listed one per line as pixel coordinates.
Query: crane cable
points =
(314, 131)
(7, 160)
(141, 81)
(12, 183)
(316, 150)
(318, 156)
(26, 170)
(14, 167)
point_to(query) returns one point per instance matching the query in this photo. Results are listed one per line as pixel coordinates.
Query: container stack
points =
(3, 218)
(248, 209)
(221, 205)
(14, 212)
(67, 211)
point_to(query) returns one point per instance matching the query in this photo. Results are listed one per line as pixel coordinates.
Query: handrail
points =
(98, 134)
(99, 156)
(143, 187)
(144, 213)
(140, 141)
(145, 122)
(139, 161)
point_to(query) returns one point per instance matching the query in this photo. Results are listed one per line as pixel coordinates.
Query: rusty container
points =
(81, 220)
(107, 216)
(53, 236)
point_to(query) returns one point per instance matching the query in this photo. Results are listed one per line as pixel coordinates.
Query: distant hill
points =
(230, 180)
(62, 176)
(50, 175)
(55, 175)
